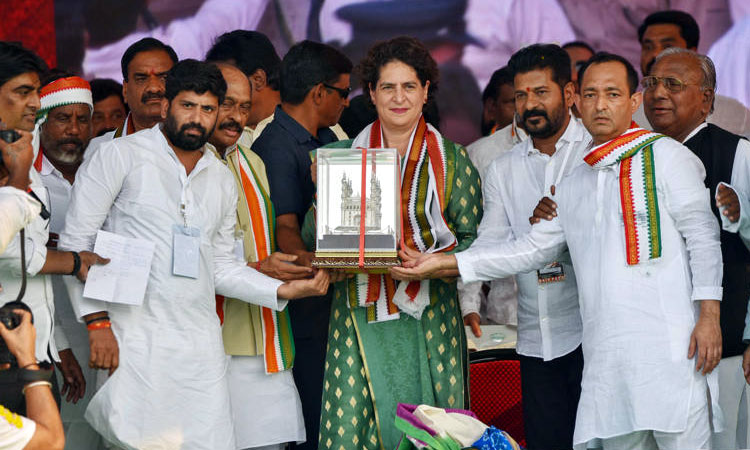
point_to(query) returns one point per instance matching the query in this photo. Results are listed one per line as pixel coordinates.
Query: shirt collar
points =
(695, 131)
(298, 132)
(574, 132)
(48, 168)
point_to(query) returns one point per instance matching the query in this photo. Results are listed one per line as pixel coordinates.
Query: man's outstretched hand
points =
(427, 265)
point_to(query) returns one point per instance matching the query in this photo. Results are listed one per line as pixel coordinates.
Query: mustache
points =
(75, 141)
(194, 125)
(231, 124)
(151, 96)
(534, 113)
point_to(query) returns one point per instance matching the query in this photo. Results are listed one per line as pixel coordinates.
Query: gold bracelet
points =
(34, 384)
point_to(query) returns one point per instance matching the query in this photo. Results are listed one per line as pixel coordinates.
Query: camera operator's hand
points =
(105, 353)
(17, 157)
(21, 340)
(74, 384)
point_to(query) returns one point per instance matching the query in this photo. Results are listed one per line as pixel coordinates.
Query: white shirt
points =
(483, 151)
(172, 363)
(637, 320)
(38, 294)
(17, 209)
(59, 189)
(549, 322)
(500, 305)
(15, 431)
(740, 183)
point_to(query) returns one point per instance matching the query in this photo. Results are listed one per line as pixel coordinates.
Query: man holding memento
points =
(314, 91)
(389, 342)
(168, 387)
(645, 245)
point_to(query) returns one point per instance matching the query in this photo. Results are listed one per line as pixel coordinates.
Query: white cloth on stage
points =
(263, 404)
(170, 389)
(637, 320)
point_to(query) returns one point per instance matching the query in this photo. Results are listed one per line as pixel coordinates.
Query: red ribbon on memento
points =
(362, 209)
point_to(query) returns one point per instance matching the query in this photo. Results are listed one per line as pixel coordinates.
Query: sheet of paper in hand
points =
(124, 279)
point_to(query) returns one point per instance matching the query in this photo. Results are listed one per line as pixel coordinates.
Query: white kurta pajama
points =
(170, 390)
(637, 319)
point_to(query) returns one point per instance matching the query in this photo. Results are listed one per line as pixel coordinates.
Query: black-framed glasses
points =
(344, 93)
(672, 84)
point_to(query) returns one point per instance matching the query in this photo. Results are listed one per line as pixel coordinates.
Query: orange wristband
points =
(99, 325)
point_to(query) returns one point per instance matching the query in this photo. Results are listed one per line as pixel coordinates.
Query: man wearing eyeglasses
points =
(667, 29)
(678, 96)
(314, 83)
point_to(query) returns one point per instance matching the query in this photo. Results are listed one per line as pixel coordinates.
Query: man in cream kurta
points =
(259, 341)
(169, 390)
(640, 387)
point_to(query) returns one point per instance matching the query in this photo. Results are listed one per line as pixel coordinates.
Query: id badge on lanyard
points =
(186, 246)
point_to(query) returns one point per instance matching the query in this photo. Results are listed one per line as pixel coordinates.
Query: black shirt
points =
(284, 146)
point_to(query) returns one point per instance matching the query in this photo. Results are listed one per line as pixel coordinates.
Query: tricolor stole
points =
(633, 150)
(278, 345)
(425, 173)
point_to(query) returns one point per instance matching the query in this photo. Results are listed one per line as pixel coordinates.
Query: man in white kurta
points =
(169, 390)
(640, 387)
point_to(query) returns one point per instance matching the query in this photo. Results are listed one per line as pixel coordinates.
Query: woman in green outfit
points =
(393, 342)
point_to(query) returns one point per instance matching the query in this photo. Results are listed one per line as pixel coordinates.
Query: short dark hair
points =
(144, 45)
(250, 51)
(540, 57)
(102, 88)
(579, 44)
(195, 76)
(405, 49)
(15, 60)
(604, 57)
(308, 64)
(55, 74)
(689, 29)
(500, 77)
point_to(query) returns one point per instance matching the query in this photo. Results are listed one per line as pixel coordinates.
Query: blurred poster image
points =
(468, 38)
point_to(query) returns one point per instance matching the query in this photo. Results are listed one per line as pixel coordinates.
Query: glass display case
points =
(358, 219)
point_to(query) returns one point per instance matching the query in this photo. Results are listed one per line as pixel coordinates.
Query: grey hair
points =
(707, 68)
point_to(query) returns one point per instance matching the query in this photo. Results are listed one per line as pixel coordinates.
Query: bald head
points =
(235, 110)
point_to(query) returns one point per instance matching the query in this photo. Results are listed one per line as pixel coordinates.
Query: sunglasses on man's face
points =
(344, 93)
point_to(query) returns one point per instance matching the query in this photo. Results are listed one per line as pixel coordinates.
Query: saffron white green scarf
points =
(633, 150)
(423, 227)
